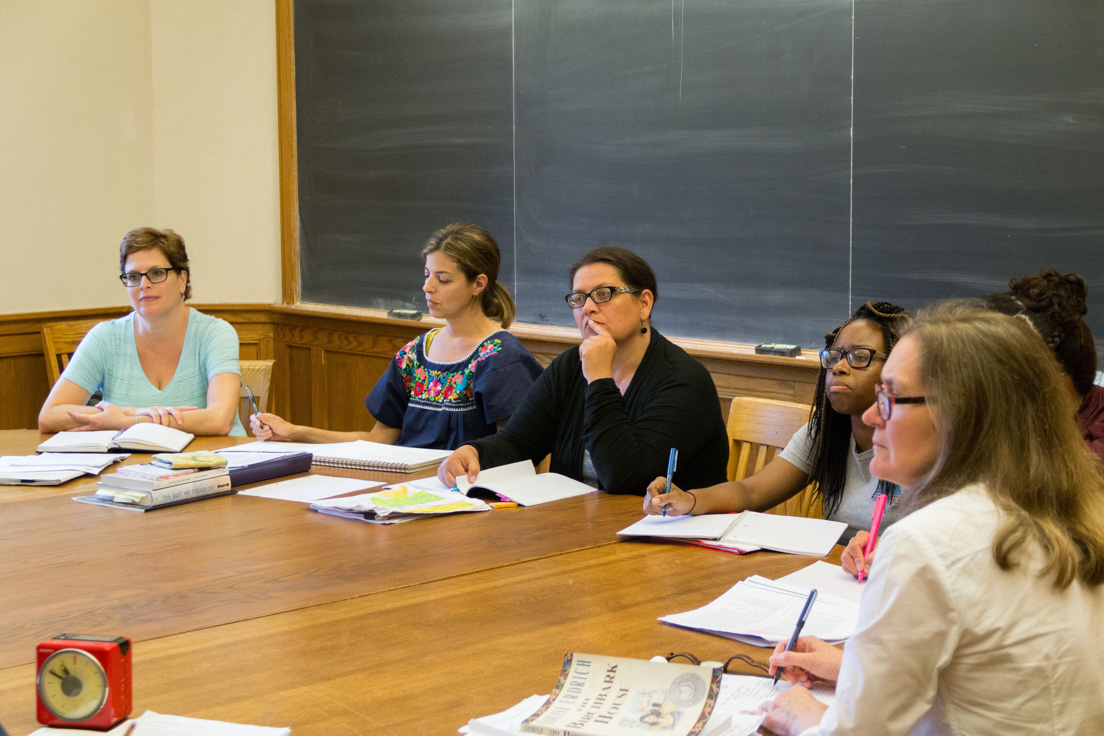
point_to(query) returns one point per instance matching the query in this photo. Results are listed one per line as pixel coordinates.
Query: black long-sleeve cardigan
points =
(671, 402)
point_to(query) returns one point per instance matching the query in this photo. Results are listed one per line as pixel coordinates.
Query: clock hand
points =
(64, 669)
(60, 677)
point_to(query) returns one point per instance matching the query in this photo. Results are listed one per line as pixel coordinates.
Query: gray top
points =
(857, 505)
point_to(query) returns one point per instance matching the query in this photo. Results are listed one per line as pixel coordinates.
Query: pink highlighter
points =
(875, 522)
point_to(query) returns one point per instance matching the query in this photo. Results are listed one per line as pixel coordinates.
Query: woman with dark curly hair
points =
(1053, 304)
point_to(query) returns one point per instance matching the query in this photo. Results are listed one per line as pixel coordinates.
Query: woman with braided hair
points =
(833, 450)
(1054, 304)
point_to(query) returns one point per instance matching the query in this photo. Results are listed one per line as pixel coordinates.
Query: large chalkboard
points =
(777, 161)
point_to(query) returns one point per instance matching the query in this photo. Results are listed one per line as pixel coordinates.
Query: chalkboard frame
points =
(865, 285)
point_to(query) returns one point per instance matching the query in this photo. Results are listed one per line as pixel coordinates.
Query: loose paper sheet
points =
(310, 488)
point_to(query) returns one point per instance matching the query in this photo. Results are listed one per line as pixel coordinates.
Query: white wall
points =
(120, 113)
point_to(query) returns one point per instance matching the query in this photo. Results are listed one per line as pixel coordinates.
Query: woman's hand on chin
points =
(596, 353)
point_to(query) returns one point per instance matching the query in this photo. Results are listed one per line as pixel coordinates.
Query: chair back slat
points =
(757, 431)
(60, 341)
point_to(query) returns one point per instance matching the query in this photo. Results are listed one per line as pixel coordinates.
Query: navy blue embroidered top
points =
(445, 405)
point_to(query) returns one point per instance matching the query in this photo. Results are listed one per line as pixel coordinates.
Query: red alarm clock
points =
(84, 681)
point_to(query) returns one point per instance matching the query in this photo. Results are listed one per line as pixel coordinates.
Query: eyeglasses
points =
(886, 401)
(738, 657)
(601, 295)
(154, 276)
(856, 357)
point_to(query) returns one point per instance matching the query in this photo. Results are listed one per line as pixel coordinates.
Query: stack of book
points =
(145, 487)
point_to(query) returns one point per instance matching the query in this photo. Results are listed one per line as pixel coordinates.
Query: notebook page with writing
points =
(762, 612)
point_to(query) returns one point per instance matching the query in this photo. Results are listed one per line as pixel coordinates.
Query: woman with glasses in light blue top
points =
(833, 450)
(163, 363)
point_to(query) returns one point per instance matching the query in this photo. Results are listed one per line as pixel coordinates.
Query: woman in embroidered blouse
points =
(164, 362)
(452, 385)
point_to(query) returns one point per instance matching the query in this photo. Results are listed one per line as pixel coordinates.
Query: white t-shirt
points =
(857, 505)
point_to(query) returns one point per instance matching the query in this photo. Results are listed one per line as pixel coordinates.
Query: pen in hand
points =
(253, 403)
(797, 629)
(875, 522)
(672, 461)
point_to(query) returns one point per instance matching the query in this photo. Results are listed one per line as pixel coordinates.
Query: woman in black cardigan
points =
(611, 409)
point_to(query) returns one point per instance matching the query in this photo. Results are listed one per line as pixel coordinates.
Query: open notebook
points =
(519, 482)
(746, 532)
(143, 437)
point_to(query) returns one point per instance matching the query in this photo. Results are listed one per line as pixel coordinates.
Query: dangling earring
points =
(643, 329)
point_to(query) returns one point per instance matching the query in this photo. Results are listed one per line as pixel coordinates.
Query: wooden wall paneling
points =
(252, 322)
(23, 378)
(293, 369)
(289, 167)
(349, 377)
(320, 416)
(328, 358)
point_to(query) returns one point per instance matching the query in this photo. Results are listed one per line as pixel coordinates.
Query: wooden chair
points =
(60, 341)
(757, 430)
(257, 374)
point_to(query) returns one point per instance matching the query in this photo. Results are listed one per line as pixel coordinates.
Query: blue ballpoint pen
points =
(253, 404)
(797, 629)
(672, 461)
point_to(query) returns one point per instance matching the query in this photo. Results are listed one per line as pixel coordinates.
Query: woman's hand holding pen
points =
(854, 559)
(267, 426)
(678, 501)
(810, 661)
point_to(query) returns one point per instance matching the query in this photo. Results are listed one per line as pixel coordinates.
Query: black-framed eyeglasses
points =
(856, 357)
(886, 401)
(737, 657)
(600, 295)
(154, 276)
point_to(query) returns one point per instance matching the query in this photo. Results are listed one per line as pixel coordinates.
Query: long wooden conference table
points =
(261, 611)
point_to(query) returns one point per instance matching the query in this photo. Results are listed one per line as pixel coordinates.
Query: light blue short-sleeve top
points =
(107, 361)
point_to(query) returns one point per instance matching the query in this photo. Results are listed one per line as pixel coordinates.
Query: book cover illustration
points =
(613, 696)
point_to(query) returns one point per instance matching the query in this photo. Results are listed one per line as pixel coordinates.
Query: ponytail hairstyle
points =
(829, 430)
(475, 252)
(1054, 304)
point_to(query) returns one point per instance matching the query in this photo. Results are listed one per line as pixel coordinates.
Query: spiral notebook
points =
(359, 455)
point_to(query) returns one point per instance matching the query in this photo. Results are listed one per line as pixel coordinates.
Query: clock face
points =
(72, 684)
